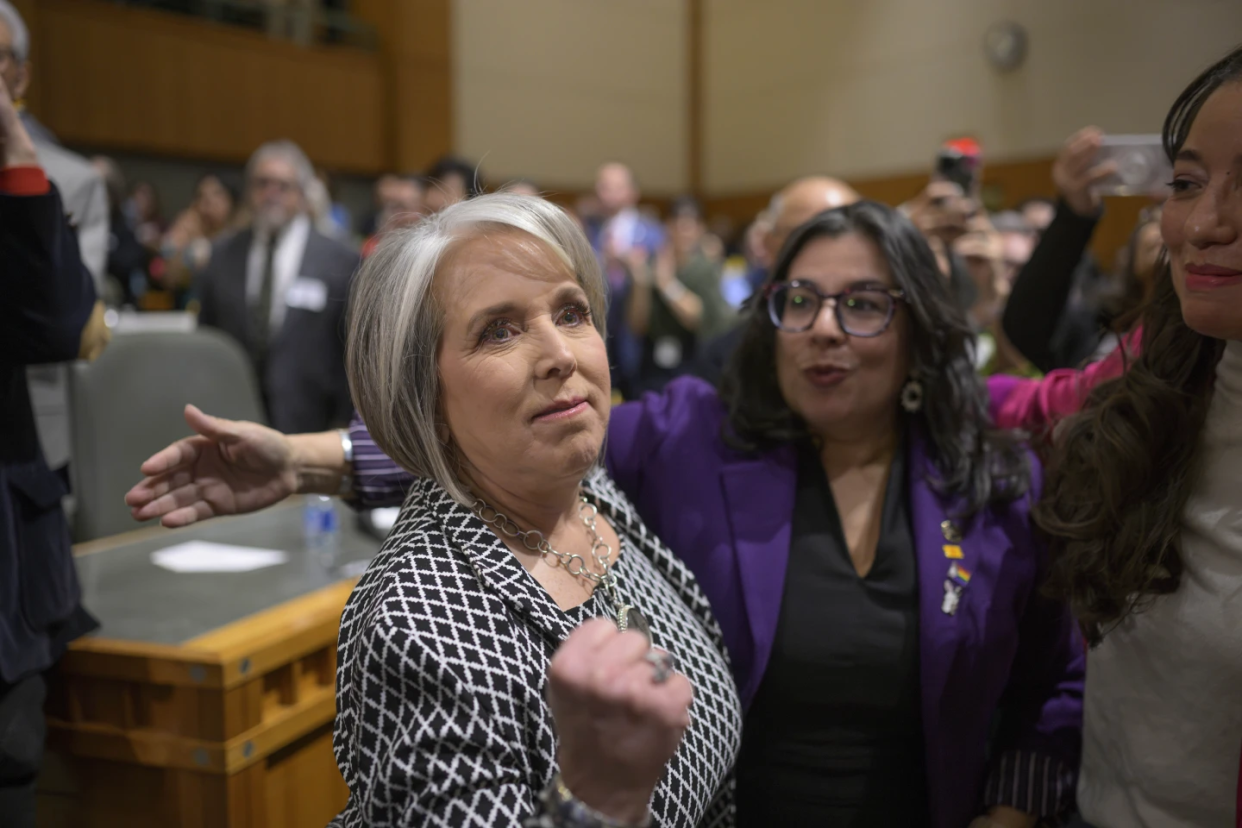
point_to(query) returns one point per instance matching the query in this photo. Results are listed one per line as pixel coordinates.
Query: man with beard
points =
(279, 288)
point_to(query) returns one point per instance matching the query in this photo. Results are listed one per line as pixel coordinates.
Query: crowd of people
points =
(676, 288)
(865, 514)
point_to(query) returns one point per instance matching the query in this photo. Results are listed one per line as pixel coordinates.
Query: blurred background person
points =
(279, 287)
(450, 180)
(186, 247)
(622, 235)
(981, 254)
(755, 251)
(675, 301)
(1037, 212)
(522, 186)
(1018, 239)
(145, 213)
(329, 215)
(402, 202)
(380, 194)
(128, 259)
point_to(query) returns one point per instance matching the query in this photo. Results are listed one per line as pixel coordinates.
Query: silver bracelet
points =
(566, 811)
(347, 479)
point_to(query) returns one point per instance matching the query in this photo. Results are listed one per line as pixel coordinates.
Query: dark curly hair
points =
(1121, 470)
(972, 460)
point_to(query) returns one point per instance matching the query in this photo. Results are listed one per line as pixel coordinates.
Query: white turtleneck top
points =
(1162, 723)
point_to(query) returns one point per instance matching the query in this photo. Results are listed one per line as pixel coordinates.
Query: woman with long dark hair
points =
(1144, 505)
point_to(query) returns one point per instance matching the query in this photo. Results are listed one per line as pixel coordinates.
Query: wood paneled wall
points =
(142, 81)
(416, 54)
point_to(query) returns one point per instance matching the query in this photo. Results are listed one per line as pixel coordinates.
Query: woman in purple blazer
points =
(860, 529)
(864, 537)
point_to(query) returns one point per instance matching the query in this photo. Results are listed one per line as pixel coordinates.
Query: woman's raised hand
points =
(618, 726)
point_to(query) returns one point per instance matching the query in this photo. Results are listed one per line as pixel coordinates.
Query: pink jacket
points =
(1036, 404)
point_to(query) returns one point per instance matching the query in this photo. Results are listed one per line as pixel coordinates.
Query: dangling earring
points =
(912, 396)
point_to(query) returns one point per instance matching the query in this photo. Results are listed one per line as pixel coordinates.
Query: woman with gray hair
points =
(522, 651)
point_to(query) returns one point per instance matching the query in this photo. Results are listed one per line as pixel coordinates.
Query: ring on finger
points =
(663, 665)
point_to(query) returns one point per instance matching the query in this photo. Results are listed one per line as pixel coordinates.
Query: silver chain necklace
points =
(627, 617)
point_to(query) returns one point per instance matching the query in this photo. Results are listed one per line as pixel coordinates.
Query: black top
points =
(1039, 320)
(834, 736)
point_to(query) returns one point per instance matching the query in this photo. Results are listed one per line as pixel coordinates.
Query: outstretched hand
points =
(229, 467)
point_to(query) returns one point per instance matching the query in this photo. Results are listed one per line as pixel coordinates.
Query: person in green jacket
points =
(676, 303)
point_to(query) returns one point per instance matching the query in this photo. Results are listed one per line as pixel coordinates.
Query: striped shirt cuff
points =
(1033, 783)
(378, 480)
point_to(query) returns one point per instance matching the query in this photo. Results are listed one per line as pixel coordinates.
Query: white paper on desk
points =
(204, 556)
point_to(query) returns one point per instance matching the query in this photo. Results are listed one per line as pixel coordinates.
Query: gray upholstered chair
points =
(129, 403)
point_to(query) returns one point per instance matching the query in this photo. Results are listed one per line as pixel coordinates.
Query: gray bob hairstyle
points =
(395, 322)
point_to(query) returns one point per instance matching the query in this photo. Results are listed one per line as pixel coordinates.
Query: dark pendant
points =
(631, 618)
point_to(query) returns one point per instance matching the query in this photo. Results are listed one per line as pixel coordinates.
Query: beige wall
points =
(870, 87)
(548, 89)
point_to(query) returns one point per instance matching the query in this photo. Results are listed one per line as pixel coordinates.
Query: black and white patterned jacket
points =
(442, 717)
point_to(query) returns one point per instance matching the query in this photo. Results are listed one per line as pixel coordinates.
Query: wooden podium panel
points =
(227, 727)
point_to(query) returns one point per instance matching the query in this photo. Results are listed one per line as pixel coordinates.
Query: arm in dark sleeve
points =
(48, 293)
(1042, 288)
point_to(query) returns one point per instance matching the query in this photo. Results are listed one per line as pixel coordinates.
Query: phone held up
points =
(962, 168)
(1142, 168)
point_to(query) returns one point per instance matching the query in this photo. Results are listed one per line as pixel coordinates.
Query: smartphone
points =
(1142, 168)
(958, 167)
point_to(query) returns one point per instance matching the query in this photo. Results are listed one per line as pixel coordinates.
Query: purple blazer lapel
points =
(942, 544)
(759, 495)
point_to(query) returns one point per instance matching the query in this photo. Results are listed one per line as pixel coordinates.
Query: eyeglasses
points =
(794, 307)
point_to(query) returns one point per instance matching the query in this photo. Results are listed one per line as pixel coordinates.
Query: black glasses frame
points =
(770, 292)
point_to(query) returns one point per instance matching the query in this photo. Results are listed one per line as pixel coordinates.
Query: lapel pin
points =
(952, 595)
(959, 573)
(950, 531)
(953, 552)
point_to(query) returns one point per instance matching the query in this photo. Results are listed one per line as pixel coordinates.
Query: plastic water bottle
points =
(322, 530)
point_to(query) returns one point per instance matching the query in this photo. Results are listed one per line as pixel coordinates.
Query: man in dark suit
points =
(279, 287)
(47, 315)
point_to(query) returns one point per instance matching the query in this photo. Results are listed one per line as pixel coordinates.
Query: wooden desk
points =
(205, 700)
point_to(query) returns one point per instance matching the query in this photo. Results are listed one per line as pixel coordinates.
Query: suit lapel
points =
(941, 543)
(233, 287)
(759, 495)
(496, 566)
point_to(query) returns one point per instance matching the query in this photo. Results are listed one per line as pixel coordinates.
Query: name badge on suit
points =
(308, 294)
